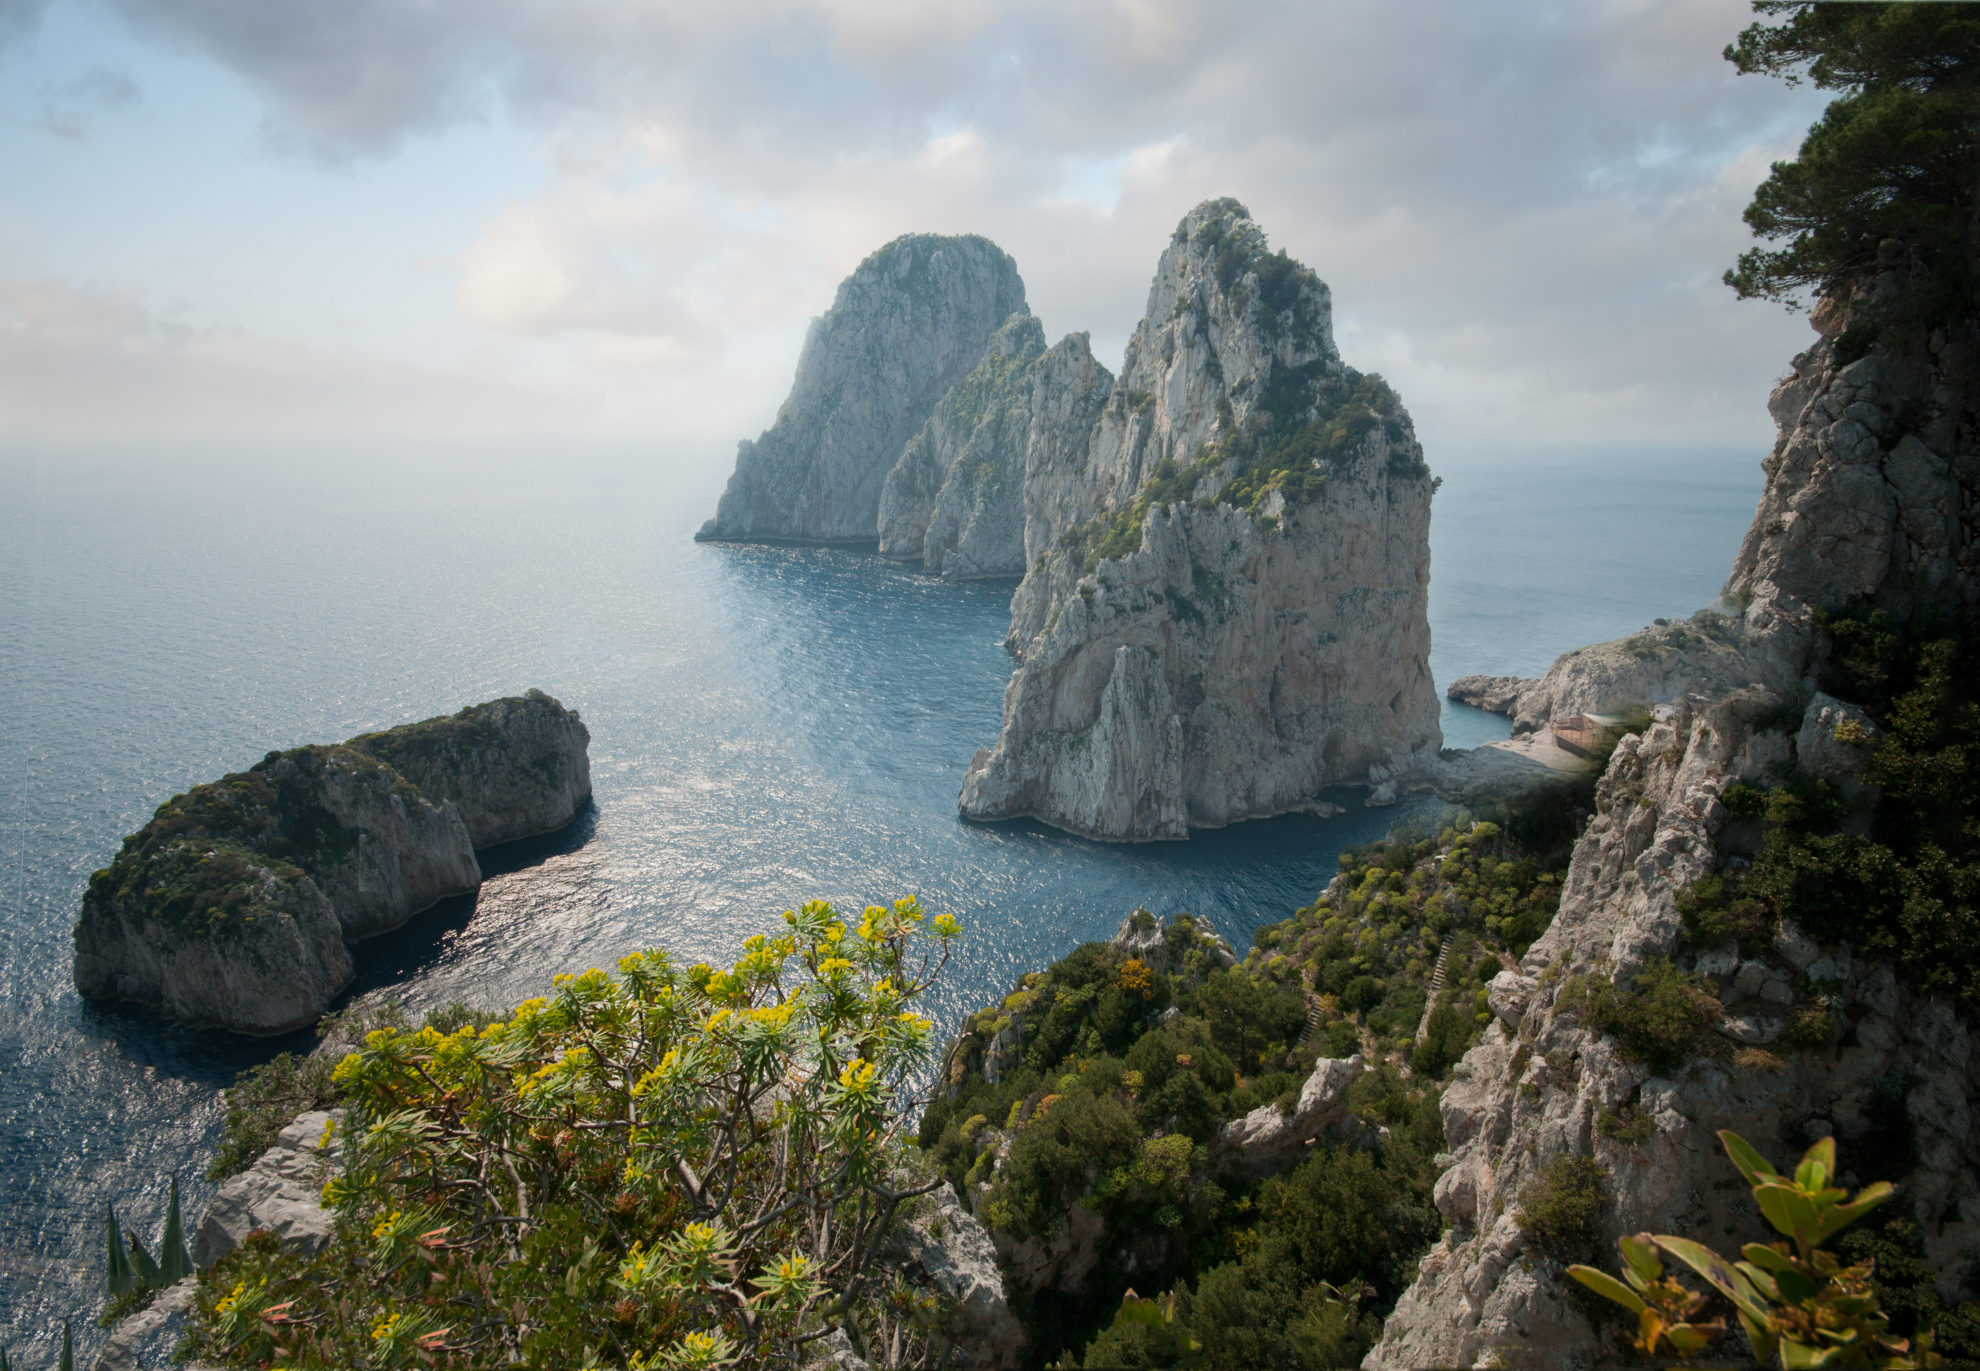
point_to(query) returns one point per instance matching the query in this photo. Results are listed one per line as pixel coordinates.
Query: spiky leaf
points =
(118, 1273)
(174, 1261)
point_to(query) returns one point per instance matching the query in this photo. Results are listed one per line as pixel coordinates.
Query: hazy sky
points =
(263, 221)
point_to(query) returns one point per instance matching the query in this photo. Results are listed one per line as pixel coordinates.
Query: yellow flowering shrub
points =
(681, 1167)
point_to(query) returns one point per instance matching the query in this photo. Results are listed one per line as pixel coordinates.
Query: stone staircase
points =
(1436, 988)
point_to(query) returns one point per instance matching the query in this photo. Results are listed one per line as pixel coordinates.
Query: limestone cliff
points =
(513, 768)
(955, 500)
(909, 324)
(233, 905)
(1230, 615)
(1871, 497)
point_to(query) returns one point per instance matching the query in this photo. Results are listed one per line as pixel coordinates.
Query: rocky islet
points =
(234, 905)
(1225, 554)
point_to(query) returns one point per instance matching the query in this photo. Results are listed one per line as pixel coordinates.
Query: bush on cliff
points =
(676, 1166)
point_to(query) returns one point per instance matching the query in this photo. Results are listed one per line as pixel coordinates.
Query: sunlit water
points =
(768, 725)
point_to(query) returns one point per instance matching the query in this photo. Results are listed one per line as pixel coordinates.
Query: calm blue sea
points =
(768, 725)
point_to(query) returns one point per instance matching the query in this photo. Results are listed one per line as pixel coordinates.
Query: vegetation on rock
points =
(707, 1159)
(1798, 1305)
(1102, 1085)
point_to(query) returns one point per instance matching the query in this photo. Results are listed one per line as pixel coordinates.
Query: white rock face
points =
(955, 500)
(1215, 633)
(1873, 492)
(906, 326)
(272, 977)
(945, 1249)
(1854, 509)
(281, 1193)
(1270, 1139)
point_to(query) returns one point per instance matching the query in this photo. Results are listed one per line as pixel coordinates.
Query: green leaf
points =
(1640, 1253)
(1689, 1339)
(1797, 1287)
(1798, 1355)
(174, 1261)
(1843, 1215)
(68, 1360)
(1818, 1163)
(1765, 1257)
(147, 1269)
(1789, 1211)
(1608, 1287)
(1751, 1164)
(118, 1272)
(1724, 1276)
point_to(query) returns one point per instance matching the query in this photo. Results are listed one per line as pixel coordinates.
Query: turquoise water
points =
(768, 725)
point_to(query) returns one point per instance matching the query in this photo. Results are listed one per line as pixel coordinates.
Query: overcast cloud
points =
(1523, 209)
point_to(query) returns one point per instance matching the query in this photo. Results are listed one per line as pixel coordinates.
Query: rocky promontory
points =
(1867, 529)
(233, 906)
(1226, 609)
(909, 324)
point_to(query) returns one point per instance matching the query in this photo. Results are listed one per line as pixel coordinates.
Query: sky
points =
(264, 225)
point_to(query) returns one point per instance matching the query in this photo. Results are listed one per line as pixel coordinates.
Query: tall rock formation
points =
(955, 500)
(1873, 495)
(1225, 610)
(233, 905)
(909, 324)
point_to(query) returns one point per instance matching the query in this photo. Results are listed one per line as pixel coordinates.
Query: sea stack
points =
(910, 323)
(1225, 608)
(233, 906)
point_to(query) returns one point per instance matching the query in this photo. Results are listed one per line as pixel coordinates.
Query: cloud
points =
(67, 111)
(93, 364)
(1523, 209)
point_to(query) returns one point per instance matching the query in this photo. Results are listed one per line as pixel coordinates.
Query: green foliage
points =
(131, 1277)
(262, 1102)
(1714, 913)
(1904, 890)
(1889, 176)
(1798, 1304)
(1626, 1125)
(1659, 1020)
(1446, 1037)
(1561, 1209)
(1301, 1266)
(676, 1166)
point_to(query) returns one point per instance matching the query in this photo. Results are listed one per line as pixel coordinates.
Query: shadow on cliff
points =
(392, 958)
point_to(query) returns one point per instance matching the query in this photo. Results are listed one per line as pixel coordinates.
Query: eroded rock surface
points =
(513, 768)
(1228, 613)
(955, 500)
(282, 1193)
(905, 327)
(1870, 497)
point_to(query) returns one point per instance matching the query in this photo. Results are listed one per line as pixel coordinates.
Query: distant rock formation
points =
(1225, 609)
(233, 905)
(909, 324)
(955, 500)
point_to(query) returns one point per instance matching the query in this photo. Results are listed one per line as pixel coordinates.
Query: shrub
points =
(1561, 1209)
(1657, 1021)
(708, 1159)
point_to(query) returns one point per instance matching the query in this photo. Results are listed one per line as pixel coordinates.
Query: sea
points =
(769, 725)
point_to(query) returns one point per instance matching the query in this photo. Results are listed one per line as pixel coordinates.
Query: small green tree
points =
(677, 1167)
(1889, 176)
(1799, 1305)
